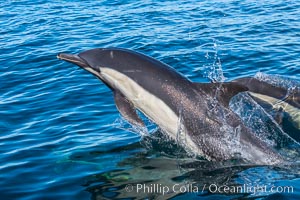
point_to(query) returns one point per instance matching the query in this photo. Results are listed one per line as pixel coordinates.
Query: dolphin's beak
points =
(74, 59)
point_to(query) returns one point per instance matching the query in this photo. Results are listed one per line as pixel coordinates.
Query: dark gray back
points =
(153, 75)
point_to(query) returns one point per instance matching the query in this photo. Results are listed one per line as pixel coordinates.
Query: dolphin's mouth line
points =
(69, 60)
(77, 60)
(74, 59)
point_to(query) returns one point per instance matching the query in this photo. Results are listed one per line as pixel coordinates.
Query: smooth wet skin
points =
(199, 111)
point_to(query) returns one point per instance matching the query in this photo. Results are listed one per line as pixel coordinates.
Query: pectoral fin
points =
(127, 109)
(223, 92)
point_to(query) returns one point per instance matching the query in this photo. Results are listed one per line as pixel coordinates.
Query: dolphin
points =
(278, 98)
(196, 115)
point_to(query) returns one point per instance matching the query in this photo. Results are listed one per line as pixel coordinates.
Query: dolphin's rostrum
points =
(167, 98)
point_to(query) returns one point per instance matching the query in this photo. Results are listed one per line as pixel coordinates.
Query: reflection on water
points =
(149, 175)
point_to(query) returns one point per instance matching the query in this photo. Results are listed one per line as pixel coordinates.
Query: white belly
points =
(152, 106)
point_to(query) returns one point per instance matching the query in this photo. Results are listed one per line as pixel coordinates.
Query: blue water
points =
(60, 135)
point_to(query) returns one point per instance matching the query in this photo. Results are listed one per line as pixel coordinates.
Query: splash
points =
(277, 80)
(213, 68)
(261, 120)
(280, 106)
(153, 139)
(149, 128)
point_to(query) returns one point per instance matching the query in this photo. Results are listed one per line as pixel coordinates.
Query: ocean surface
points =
(61, 136)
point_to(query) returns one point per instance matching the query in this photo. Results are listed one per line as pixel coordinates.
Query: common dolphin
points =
(197, 111)
(279, 98)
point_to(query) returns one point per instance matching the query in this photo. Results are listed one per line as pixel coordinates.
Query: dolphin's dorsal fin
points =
(127, 109)
(223, 92)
